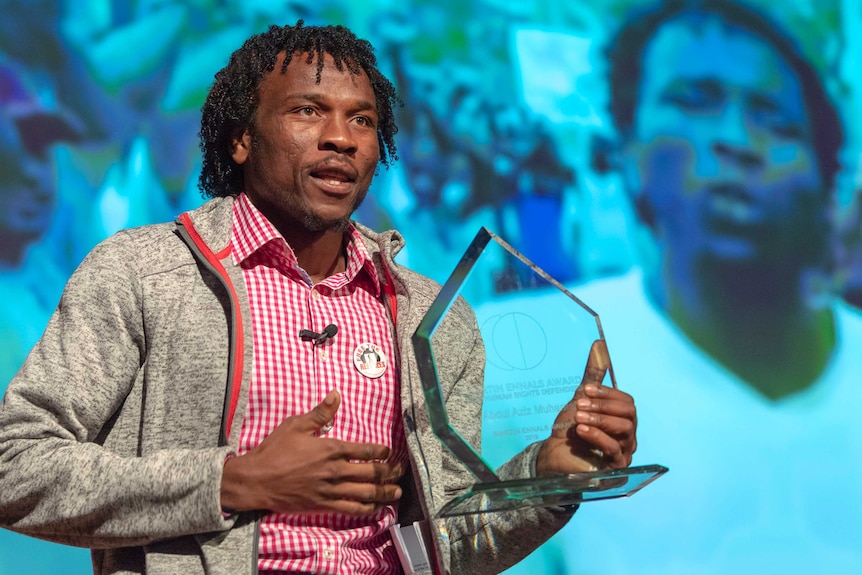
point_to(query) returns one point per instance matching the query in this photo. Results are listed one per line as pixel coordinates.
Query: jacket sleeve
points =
(57, 479)
(492, 542)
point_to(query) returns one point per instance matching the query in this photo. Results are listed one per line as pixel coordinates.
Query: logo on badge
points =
(370, 360)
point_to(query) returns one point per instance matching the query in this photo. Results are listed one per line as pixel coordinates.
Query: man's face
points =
(721, 146)
(26, 190)
(314, 147)
(424, 161)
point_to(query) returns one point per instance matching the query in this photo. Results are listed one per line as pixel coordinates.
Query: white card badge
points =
(370, 360)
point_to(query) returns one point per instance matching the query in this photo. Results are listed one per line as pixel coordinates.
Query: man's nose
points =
(734, 141)
(338, 136)
(37, 175)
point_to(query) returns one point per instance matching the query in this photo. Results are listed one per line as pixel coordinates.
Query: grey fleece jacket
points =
(112, 435)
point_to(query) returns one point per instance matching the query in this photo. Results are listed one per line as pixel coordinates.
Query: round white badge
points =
(370, 360)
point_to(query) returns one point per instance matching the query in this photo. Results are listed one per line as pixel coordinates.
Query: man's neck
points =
(12, 253)
(768, 335)
(321, 254)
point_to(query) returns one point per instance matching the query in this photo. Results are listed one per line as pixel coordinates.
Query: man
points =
(30, 286)
(189, 410)
(728, 146)
(731, 175)
(30, 279)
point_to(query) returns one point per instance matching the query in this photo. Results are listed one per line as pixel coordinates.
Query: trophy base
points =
(553, 491)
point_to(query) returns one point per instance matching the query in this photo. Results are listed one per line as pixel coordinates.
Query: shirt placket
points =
(322, 357)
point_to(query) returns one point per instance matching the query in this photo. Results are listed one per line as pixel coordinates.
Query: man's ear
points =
(604, 153)
(631, 177)
(240, 147)
(628, 154)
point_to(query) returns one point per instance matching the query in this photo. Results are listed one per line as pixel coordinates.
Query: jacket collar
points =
(212, 221)
(214, 218)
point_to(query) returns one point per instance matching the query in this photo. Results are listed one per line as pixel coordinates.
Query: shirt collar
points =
(252, 233)
(358, 259)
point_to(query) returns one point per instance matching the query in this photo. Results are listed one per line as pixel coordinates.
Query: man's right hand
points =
(294, 471)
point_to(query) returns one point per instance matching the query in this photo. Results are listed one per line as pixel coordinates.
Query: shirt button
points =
(315, 295)
(321, 353)
(328, 553)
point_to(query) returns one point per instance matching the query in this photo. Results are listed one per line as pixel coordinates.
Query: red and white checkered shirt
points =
(291, 375)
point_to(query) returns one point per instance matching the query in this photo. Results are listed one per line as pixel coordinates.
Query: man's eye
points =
(770, 116)
(784, 129)
(699, 97)
(692, 100)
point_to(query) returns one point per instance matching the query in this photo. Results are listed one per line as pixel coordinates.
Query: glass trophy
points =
(540, 342)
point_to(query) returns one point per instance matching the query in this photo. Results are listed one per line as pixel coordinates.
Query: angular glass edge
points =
(554, 491)
(490, 493)
(434, 402)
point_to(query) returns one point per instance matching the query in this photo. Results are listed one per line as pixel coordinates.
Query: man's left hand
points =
(595, 430)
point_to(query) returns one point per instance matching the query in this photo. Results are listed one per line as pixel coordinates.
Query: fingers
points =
(619, 428)
(321, 414)
(361, 488)
(353, 489)
(355, 508)
(606, 418)
(366, 493)
(594, 400)
(362, 499)
(352, 498)
(360, 451)
(617, 453)
(598, 363)
(378, 472)
(597, 366)
(295, 470)
(606, 400)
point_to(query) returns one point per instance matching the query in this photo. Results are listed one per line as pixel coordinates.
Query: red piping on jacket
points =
(238, 352)
(389, 288)
(215, 261)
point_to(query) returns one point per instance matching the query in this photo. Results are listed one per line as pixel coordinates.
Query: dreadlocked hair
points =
(231, 104)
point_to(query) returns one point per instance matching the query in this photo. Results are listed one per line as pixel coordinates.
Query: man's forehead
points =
(316, 59)
(26, 119)
(698, 46)
(310, 79)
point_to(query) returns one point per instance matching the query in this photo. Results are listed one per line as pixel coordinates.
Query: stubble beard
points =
(313, 222)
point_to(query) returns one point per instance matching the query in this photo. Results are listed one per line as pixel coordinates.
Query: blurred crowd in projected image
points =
(511, 120)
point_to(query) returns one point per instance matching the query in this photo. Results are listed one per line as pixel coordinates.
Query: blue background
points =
(505, 105)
